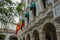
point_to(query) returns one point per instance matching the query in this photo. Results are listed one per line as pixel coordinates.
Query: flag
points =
(17, 28)
(21, 24)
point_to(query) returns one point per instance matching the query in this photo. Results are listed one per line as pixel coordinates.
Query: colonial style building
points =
(42, 20)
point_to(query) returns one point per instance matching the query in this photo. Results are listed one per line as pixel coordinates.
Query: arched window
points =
(36, 35)
(28, 37)
(50, 32)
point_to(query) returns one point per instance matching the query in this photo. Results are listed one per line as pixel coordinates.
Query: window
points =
(34, 12)
(28, 19)
(28, 1)
(33, 9)
(46, 3)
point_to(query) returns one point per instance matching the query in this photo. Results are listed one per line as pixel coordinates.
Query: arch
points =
(50, 31)
(35, 35)
(49, 24)
(28, 37)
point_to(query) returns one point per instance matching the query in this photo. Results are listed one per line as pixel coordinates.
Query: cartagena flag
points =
(17, 28)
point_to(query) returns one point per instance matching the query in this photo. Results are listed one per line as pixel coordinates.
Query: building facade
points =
(8, 33)
(44, 20)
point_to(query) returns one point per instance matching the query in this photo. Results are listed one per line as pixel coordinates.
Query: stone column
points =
(26, 37)
(54, 12)
(58, 32)
(26, 21)
(58, 36)
(31, 16)
(42, 35)
(39, 7)
(21, 38)
(31, 37)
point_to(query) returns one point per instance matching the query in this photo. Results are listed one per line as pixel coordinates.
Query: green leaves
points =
(19, 8)
(6, 10)
(10, 38)
(2, 36)
(9, 1)
(0, 10)
(10, 9)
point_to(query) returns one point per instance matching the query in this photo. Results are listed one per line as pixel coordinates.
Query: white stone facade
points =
(8, 33)
(44, 26)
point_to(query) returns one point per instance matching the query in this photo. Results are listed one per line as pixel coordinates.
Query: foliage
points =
(8, 11)
(2, 36)
(19, 8)
(12, 38)
(5, 10)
